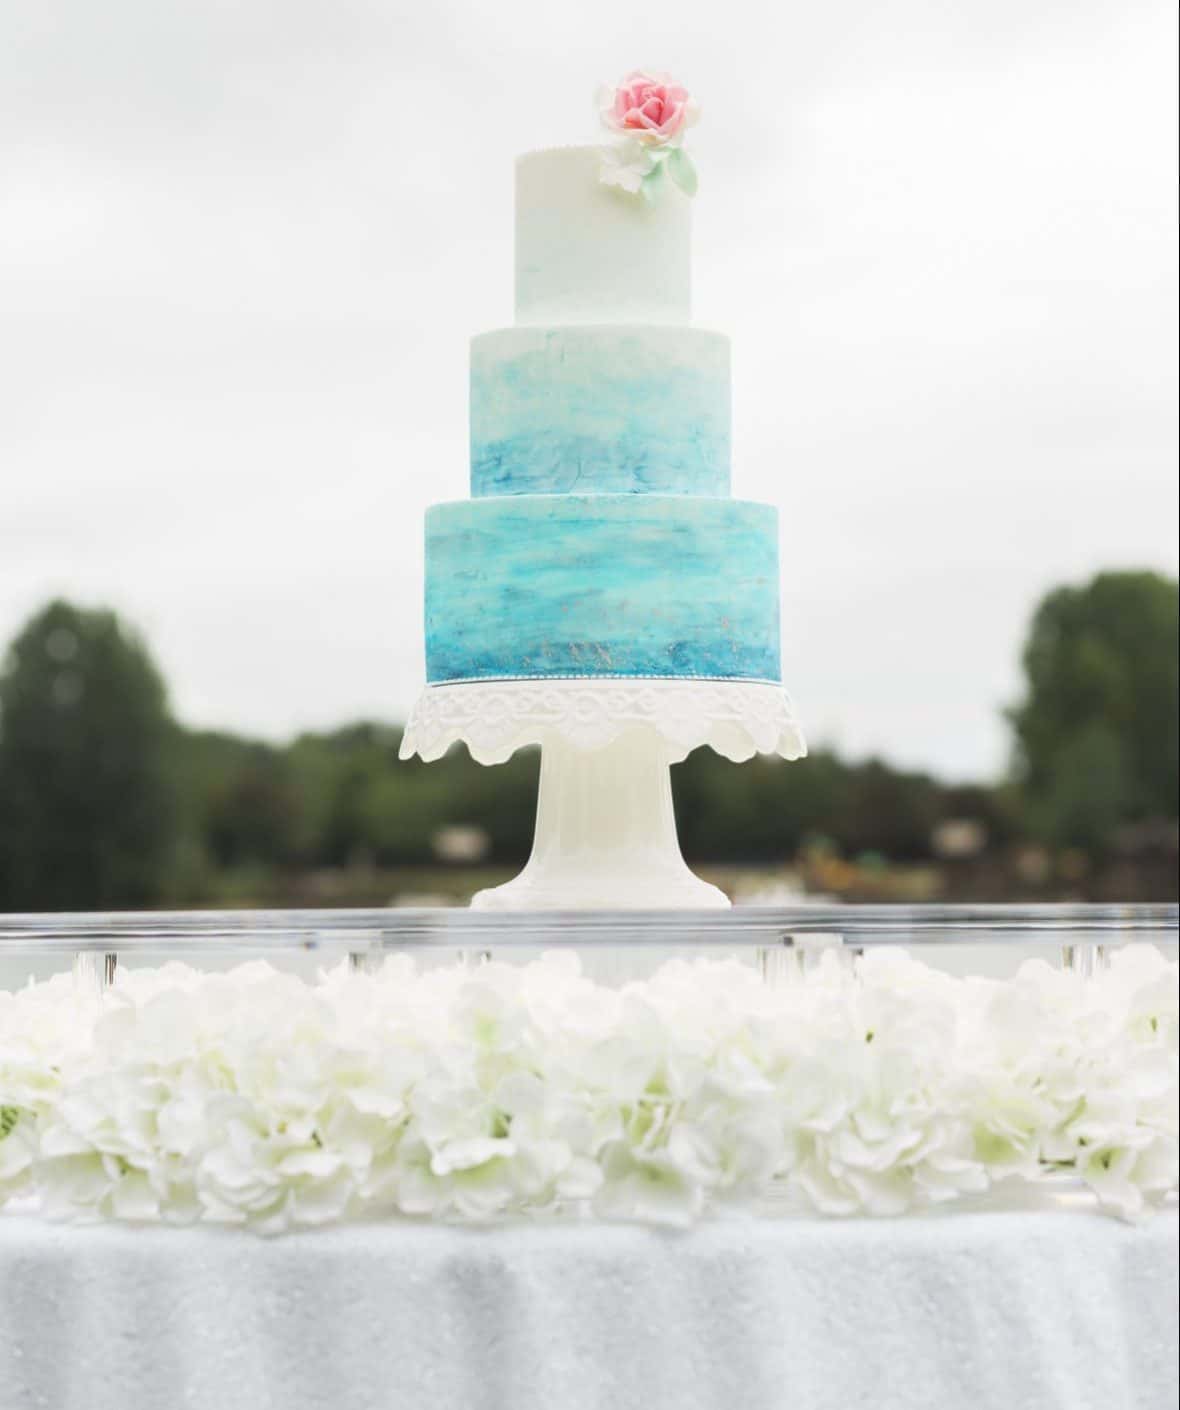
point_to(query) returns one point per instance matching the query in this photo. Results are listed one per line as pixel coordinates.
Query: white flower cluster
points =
(257, 1098)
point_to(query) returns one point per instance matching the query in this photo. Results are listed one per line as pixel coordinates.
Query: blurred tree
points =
(765, 809)
(1097, 732)
(995, 807)
(340, 772)
(360, 800)
(87, 815)
(242, 800)
(887, 811)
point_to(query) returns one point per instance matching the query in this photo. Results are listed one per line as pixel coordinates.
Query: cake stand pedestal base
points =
(605, 835)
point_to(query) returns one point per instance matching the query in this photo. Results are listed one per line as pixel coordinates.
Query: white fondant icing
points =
(589, 253)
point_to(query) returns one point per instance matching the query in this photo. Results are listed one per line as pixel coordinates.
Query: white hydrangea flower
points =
(255, 1098)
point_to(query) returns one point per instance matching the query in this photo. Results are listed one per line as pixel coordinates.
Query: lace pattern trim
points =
(737, 719)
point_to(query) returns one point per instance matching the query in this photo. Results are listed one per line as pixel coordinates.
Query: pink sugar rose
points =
(649, 106)
(648, 113)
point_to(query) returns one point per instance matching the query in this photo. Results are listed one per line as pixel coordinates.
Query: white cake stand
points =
(606, 834)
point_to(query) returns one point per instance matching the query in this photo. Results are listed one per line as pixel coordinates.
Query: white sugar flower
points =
(627, 165)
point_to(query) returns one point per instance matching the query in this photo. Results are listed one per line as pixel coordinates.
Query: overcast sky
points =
(243, 246)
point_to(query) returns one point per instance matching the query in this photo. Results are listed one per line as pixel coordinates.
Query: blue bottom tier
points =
(602, 585)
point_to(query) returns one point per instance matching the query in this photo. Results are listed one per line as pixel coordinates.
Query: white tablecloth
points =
(1009, 1309)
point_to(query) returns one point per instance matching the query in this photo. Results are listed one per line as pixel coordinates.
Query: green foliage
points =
(766, 809)
(361, 802)
(104, 802)
(337, 799)
(87, 807)
(245, 796)
(1097, 731)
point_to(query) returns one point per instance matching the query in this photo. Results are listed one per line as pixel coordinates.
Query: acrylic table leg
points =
(1084, 958)
(799, 955)
(778, 964)
(94, 970)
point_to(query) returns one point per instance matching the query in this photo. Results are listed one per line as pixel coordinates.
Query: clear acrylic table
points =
(781, 939)
(1014, 1302)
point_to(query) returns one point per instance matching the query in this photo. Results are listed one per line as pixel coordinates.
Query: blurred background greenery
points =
(107, 801)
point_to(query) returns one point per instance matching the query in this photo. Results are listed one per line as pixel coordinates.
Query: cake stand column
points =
(605, 835)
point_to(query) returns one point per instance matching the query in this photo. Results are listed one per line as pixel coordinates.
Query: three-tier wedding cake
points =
(600, 538)
(600, 593)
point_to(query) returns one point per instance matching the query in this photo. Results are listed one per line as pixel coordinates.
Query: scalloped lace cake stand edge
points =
(605, 835)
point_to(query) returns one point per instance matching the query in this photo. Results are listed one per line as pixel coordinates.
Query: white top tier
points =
(589, 253)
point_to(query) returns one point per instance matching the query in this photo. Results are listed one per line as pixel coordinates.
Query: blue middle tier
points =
(600, 409)
(602, 585)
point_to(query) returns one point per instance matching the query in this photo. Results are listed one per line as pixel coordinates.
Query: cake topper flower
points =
(649, 114)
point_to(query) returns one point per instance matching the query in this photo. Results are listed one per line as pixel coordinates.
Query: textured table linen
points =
(977, 1310)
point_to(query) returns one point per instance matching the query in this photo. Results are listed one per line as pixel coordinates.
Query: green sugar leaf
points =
(682, 171)
(652, 182)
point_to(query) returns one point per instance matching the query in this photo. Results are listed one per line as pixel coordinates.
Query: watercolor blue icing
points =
(602, 585)
(601, 409)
